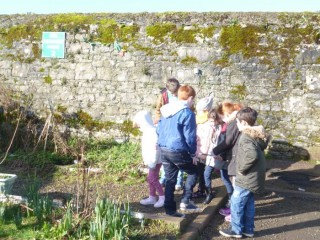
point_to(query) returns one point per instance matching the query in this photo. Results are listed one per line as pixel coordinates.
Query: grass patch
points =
(9, 231)
(157, 230)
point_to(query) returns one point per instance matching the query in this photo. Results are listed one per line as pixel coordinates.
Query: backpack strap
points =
(165, 97)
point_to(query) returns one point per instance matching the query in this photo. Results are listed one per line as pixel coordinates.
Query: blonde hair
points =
(186, 91)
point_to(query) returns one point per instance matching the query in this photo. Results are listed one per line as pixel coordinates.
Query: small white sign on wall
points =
(53, 44)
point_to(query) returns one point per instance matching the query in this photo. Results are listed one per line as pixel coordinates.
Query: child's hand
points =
(195, 160)
(202, 156)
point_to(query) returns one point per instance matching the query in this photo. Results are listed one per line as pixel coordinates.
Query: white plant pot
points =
(6, 182)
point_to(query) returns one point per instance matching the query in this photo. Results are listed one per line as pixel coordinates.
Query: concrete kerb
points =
(193, 230)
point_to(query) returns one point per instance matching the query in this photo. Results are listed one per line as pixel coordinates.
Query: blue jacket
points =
(177, 128)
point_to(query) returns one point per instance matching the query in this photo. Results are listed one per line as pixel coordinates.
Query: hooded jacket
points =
(251, 166)
(149, 139)
(228, 147)
(177, 128)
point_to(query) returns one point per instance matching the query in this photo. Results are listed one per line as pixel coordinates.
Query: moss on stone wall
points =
(162, 32)
(148, 50)
(108, 31)
(159, 31)
(239, 91)
(188, 60)
(208, 32)
(181, 35)
(47, 79)
(236, 39)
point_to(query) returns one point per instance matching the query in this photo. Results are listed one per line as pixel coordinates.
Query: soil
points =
(278, 216)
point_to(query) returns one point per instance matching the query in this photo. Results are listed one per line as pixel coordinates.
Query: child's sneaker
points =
(229, 233)
(149, 201)
(227, 218)
(199, 194)
(191, 207)
(224, 211)
(250, 235)
(160, 202)
(176, 214)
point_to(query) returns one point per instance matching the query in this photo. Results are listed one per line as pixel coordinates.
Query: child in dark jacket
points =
(250, 174)
(227, 149)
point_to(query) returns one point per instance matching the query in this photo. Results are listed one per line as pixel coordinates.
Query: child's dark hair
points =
(214, 114)
(247, 114)
(172, 85)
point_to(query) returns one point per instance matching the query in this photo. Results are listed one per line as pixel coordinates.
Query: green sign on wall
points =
(53, 44)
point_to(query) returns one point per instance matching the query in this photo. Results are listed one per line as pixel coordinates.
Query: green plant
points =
(18, 218)
(109, 221)
(240, 91)
(189, 60)
(120, 160)
(184, 36)
(42, 159)
(127, 129)
(10, 212)
(208, 31)
(224, 61)
(160, 30)
(148, 50)
(41, 205)
(236, 39)
(146, 70)
(2, 212)
(67, 220)
(60, 231)
(47, 79)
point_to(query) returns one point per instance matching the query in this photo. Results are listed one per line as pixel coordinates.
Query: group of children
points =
(221, 138)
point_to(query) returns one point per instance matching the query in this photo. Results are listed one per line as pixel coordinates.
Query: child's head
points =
(187, 93)
(173, 85)
(237, 106)
(227, 108)
(215, 116)
(247, 116)
(204, 104)
(143, 120)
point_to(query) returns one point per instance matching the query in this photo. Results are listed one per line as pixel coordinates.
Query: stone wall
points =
(94, 77)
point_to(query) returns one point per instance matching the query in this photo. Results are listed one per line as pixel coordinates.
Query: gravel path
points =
(280, 216)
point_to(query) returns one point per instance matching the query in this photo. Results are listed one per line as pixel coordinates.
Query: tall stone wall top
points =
(278, 75)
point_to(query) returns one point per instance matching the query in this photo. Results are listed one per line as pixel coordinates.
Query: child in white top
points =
(204, 131)
(150, 157)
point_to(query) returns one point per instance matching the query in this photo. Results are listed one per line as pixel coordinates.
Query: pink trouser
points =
(153, 180)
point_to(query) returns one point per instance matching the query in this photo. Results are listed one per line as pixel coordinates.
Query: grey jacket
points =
(251, 166)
